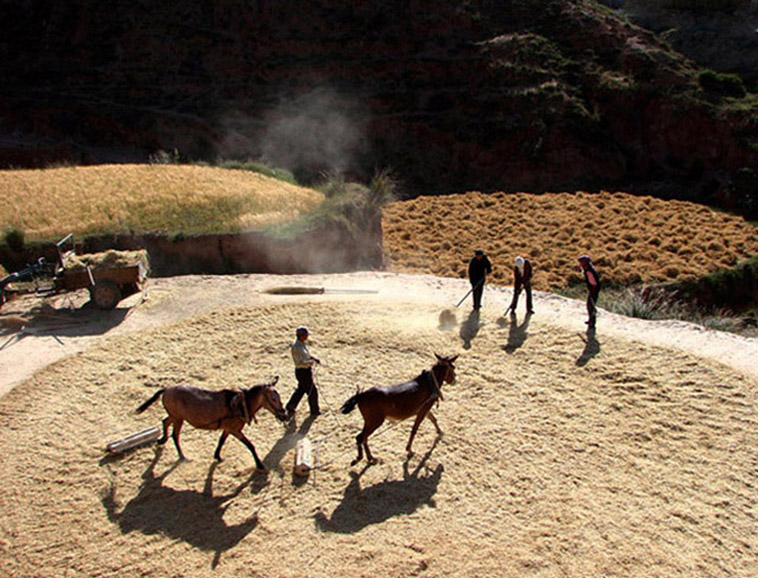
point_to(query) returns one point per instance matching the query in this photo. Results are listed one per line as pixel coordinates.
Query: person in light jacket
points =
(304, 363)
(522, 277)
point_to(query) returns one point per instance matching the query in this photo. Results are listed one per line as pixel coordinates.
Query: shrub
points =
(162, 157)
(14, 238)
(259, 167)
(721, 84)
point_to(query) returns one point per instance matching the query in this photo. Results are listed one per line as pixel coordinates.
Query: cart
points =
(108, 281)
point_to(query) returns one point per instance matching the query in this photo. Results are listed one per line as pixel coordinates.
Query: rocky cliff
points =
(489, 95)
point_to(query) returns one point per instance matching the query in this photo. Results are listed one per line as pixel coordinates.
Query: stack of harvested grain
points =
(107, 260)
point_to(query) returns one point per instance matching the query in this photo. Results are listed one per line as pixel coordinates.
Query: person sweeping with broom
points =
(522, 278)
(478, 268)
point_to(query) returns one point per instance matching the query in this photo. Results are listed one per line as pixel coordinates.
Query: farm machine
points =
(109, 276)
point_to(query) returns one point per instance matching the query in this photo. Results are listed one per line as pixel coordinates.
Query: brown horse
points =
(227, 409)
(399, 402)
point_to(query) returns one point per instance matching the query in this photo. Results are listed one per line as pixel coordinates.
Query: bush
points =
(722, 85)
(14, 238)
(162, 157)
(259, 167)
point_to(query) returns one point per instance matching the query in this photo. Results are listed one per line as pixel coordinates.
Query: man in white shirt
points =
(304, 363)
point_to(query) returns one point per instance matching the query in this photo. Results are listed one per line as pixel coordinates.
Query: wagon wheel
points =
(105, 294)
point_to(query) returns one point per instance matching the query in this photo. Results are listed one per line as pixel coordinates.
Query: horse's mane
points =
(256, 389)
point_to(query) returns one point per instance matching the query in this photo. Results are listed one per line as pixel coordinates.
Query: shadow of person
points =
(517, 333)
(591, 348)
(469, 328)
(196, 518)
(361, 507)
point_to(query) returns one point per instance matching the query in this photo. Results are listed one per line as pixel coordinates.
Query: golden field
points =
(630, 238)
(189, 199)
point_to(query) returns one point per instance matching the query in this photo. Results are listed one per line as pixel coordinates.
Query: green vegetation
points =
(710, 301)
(347, 205)
(636, 301)
(722, 84)
(14, 238)
(258, 167)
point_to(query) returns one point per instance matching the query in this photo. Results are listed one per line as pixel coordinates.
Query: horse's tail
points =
(350, 404)
(151, 401)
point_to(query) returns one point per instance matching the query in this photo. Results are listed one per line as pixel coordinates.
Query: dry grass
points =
(46, 204)
(631, 239)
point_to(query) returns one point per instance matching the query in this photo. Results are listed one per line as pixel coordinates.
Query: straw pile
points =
(631, 239)
(106, 260)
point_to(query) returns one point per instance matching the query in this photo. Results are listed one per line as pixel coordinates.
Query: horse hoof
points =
(355, 461)
(374, 461)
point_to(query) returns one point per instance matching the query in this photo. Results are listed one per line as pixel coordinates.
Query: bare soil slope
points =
(625, 453)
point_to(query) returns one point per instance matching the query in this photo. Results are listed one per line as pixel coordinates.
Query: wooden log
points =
(303, 457)
(133, 440)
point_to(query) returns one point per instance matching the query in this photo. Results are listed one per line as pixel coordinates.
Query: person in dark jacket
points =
(478, 268)
(522, 277)
(592, 279)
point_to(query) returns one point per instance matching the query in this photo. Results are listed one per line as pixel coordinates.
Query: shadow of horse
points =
(361, 507)
(196, 518)
(469, 328)
(517, 333)
(591, 348)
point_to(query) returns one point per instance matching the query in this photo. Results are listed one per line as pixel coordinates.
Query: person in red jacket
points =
(592, 279)
(522, 277)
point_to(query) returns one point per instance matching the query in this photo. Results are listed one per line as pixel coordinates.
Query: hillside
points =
(517, 95)
(91, 200)
(718, 35)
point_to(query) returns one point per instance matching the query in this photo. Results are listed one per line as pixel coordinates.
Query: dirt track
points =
(629, 454)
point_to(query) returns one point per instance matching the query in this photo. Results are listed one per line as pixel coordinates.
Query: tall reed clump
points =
(356, 206)
(640, 303)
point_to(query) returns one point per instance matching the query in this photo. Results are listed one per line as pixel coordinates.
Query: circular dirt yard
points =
(629, 452)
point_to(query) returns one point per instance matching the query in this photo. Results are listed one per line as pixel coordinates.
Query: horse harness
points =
(435, 389)
(235, 399)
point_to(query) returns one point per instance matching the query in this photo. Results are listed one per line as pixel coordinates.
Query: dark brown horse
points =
(399, 402)
(228, 410)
